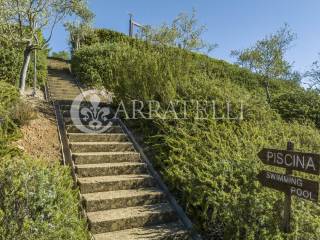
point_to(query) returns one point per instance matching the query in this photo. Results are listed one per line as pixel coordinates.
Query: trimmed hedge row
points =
(211, 66)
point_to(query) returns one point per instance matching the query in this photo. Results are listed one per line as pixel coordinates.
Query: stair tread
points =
(109, 165)
(104, 153)
(121, 194)
(100, 143)
(96, 134)
(74, 125)
(144, 233)
(112, 178)
(129, 212)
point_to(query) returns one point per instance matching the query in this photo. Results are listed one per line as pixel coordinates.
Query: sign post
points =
(287, 183)
(287, 200)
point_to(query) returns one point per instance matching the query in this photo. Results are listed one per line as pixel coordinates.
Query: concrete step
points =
(112, 183)
(101, 147)
(96, 137)
(64, 98)
(66, 113)
(67, 106)
(57, 84)
(66, 95)
(105, 157)
(65, 102)
(56, 92)
(69, 120)
(62, 85)
(108, 169)
(77, 129)
(124, 198)
(174, 230)
(66, 85)
(131, 217)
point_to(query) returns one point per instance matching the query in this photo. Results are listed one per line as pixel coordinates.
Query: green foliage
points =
(300, 105)
(104, 35)
(184, 32)
(22, 113)
(313, 75)
(62, 54)
(36, 198)
(80, 26)
(210, 165)
(267, 56)
(22, 21)
(36, 201)
(9, 97)
(11, 58)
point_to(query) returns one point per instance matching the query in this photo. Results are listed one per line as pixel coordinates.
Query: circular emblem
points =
(89, 114)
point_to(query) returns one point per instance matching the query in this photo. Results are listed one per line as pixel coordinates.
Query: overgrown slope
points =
(210, 164)
(36, 197)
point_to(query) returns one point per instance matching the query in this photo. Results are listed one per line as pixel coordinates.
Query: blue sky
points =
(233, 24)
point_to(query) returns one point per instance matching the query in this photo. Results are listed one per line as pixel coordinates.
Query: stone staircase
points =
(122, 200)
(61, 85)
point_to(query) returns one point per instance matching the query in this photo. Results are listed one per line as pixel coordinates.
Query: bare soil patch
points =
(40, 136)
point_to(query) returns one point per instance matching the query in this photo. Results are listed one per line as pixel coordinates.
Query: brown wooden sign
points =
(299, 187)
(304, 162)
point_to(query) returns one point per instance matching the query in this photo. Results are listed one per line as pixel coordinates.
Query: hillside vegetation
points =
(36, 197)
(11, 59)
(211, 165)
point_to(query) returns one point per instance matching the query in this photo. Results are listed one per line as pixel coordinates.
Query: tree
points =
(61, 54)
(267, 57)
(313, 75)
(21, 21)
(79, 28)
(184, 32)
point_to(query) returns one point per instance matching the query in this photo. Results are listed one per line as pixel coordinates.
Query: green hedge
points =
(210, 66)
(210, 165)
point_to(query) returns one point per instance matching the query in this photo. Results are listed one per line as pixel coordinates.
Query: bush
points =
(9, 97)
(22, 113)
(210, 165)
(11, 59)
(302, 106)
(36, 201)
(212, 67)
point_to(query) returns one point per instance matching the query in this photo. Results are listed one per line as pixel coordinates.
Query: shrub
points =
(213, 67)
(23, 112)
(11, 59)
(9, 97)
(302, 106)
(36, 201)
